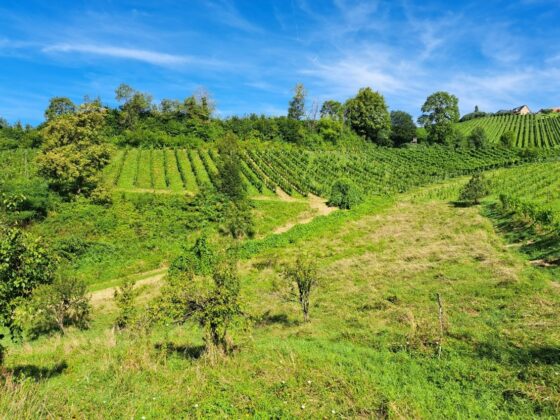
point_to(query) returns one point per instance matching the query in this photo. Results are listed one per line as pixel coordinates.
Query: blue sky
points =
(250, 53)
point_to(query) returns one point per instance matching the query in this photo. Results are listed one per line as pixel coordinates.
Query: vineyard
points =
(299, 172)
(529, 130)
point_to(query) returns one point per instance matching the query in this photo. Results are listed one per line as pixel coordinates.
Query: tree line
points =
(138, 121)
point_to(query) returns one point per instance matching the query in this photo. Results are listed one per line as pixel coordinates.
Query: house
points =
(521, 110)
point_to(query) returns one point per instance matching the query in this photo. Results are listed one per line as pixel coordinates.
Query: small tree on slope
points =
(476, 189)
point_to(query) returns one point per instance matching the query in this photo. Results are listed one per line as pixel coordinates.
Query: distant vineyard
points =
(300, 172)
(529, 130)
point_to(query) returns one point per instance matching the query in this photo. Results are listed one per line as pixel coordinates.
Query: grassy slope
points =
(140, 232)
(369, 350)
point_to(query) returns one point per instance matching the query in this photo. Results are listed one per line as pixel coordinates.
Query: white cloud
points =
(152, 57)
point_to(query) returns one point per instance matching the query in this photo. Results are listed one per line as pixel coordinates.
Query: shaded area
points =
(185, 351)
(543, 355)
(37, 373)
(541, 247)
(268, 318)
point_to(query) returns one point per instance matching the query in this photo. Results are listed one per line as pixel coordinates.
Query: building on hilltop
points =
(520, 110)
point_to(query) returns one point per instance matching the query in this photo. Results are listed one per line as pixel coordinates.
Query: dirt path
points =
(100, 296)
(317, 204)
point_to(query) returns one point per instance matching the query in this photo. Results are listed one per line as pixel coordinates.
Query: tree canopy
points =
(73, 151)
(403, 129)
(368, 116)
(440, 112)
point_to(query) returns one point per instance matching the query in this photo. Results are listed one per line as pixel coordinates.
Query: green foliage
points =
(229, 168)
(213, 301)
(59, 106)
(478, 138)
(368, 116)
(55, 306)
(74, 153)
(476, 189)
(441, 111)
(344, 194)
(303, 275)
(125, 299)
(333, 110)
(198, 260)
(135, 105)
(22, 200)
(507, 139)
(296, 109)
(24, 265)
(403, 129)
(238, 220)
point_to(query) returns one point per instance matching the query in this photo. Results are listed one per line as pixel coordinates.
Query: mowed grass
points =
(370, 349)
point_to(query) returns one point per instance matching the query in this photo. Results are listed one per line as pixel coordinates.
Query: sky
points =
(249, 54)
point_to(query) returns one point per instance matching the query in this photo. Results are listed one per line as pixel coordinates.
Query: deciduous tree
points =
(368, 116)
(441, 111)
(74, 152)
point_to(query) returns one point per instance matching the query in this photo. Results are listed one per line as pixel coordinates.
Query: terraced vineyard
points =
(530, 130)
(300, 172)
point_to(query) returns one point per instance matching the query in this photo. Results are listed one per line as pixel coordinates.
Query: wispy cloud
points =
(226, 12)
(147, 56)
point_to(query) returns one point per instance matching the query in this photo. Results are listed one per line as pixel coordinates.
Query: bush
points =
(22, 201)
(125, 296)
(55, 306)
(344, 194)
(475, 189)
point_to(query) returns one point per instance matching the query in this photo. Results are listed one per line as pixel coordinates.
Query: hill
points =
(535, 130)
(376, 345)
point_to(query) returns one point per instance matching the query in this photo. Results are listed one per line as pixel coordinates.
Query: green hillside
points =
(529, 130)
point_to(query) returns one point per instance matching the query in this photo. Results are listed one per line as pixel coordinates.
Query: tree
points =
(213, 300)
(368, 116)
(73, 152)
(24, 265)
(303, 274)
(478, 138)
(59, 106)
(296, 110)
(56, 306)
(229, 168)
(441, 111)
(332, 109)
(344, 194)
(135, 105)
(474, 190)
(403, 129)
(507, 139)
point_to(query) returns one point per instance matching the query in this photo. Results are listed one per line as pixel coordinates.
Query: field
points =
(529, 130)
(300, 172)
(372, 348)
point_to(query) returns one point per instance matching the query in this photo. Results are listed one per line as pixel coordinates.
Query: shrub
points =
(476, 188)
(55, 306)
(24, 265)
(210, 300)
(507, 139)
(125, 296)
(303, 275)
(344, 194)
